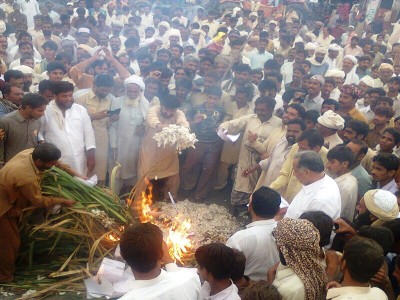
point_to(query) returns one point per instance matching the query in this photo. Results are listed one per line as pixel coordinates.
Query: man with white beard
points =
(126, 134)
(349, 66)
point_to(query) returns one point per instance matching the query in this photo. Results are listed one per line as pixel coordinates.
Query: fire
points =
(112, 238)
(178, 241)
(177, 231)
(145, 204)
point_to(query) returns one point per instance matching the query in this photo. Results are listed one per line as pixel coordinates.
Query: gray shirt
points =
(314, 103)
(20, 134)
(363, 180)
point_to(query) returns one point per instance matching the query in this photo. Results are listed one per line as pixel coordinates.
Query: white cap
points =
(84, 30)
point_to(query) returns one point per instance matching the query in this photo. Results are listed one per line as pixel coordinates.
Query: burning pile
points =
(187, 225)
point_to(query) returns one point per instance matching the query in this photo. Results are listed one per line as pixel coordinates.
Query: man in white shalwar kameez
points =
(126, 134)
(30, 8)
(68, 126)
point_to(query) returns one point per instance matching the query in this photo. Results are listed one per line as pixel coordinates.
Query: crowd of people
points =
(302, 116)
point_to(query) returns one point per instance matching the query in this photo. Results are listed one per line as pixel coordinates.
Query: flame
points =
(178, 241)
(145, 204)
(112, 238)
(177, 231)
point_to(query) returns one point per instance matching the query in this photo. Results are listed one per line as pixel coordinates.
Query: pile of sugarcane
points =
(65, 246)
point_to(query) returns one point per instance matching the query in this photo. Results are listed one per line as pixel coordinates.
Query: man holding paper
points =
(256, 128)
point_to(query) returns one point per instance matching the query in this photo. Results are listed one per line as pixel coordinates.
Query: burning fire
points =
(178, 241)
(112, 238)
(177, 231)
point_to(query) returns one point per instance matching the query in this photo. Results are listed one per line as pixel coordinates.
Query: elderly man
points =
(155, 162)
(257, 127)
(338, 77)
(376, 208)
(318, 66)
(313, 100)
(126, 134)
(333, 59)
(385, 73)
(349, 66)
(319, 191)
(286, 183)
(328, 125)
(98, 104)
(347, 102)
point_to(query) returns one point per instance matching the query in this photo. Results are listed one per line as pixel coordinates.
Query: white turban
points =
(134, 79)
(174, 32)
(319, 78)
(382, 204)
(84, 30)
(352, 58)
(24, 69)
(310, 46)
(165, 24)
(334, 47)
(331, 120)
(321, 50)
(386, 66)
(368, 80)
(335, 73)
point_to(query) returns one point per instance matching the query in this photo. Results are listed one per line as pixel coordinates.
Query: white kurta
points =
(30, 8)
(323, 195)
(259, 247)
(123, 136)
(348, 187)
(72, 134)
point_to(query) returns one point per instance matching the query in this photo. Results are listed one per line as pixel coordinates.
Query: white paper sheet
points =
(227, 137)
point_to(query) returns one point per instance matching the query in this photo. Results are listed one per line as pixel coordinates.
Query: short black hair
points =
(267, 84)
(330, 101)
(379, 91)
(388, 112)
(217, 259)
(299, 122)
(104, 80)
(16, 74)
(394, 132)
(382, 235)
(239, 266)
(272, 64)
(261, 290)
(245, 89)
(33, 100)
(185, 83)
(45, 85)
(322, 222)
(364, 257)
(243, 68)
(46, 152)
(56, 65)
(388, 161)
(62, 87)
(312, 116)
(313, 137)
(342, 154)
(269, 101)
(141, 246)
(358, 126)
(50, 44)
(265, 202)
(60, 56)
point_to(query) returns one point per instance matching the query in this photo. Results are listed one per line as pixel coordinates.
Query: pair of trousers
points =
(207, 155)
(9, 246)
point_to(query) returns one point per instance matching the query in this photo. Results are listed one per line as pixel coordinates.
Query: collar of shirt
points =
(261, 222)
(224, 294)
(37, 171)
(146, 283)
(389, 186)
(315, 99)
(19, 117)
(336, 292)
(308, 189)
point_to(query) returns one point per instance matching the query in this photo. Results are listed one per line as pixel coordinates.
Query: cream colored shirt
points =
(356, 293)
(348, 187)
